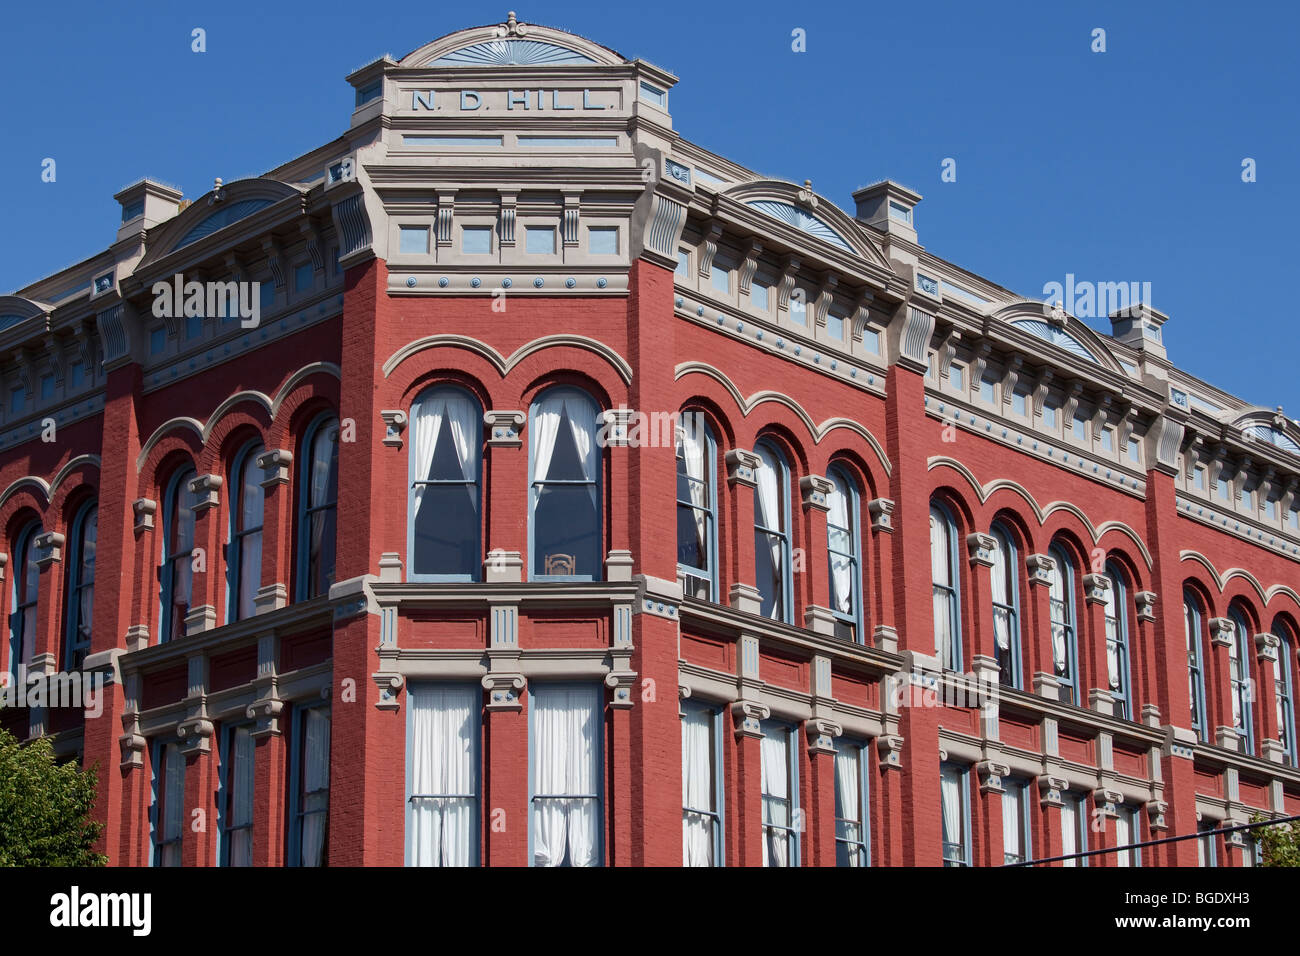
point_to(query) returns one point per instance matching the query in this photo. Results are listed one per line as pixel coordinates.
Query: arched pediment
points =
(802, 209)
(14, 310)
(512, 44)
(207, 215)
(1072, 336)
(1271, 427)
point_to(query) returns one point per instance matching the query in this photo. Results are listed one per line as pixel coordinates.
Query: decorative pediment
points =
(512, 44)
(1061, 330)
(802, 209)
(224, 205)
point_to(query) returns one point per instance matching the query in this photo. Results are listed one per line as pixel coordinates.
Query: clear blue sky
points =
(1115, 166)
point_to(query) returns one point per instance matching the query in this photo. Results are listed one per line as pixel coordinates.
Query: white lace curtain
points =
(838, 527)
(940, 574)
(1113, 626)
(548, 412)
(1000, 575)
(444, 771)
(1069, 831)
(848, 800)
(769, 515)
(315, 786)
(566, 746)
(1011, 824)
(432, 411)
(692, 443)
(697, 788)
(950, 800)
(1056, 599)
(776, 798)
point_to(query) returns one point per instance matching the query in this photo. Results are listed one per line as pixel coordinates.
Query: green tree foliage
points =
(45, 807)
(1281, 843)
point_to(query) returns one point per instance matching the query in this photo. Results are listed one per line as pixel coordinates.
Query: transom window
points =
(566, 509)
(444, 466)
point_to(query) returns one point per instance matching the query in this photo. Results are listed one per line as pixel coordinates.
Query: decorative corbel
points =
(981, 548)
(1073, 393)
(824, 299)
(144, 509)
(616, 430)
(274, 260)
(235, 265)
(1146, 605)
(709, 249)
(207, 489)
(445, 215)
(750, 266)
(50, 548)
(506, 230)
(1039, 568)
(504, 427)
(979, 362)
(1156, 810)
(948, 351)
(991, 773)
(1095, 588)
(742, 467)
(1101, 415)
(890, 749)
(1041, 388)
(275, 463)
(1051, 790)
(747, 716)
(58, 361)
(862, 315)
(1266, 647)
(1107, 802)
(790, 267)
(815, 493)
(1011, 376)
(572, 211)
(1222, 631)
(821, 735)
(309, 231)
(882, 514)
(394, 425)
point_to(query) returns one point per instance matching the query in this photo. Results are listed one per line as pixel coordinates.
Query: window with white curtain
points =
(24, 596)
(842, 543)
(852, 819)
(167, 815)
(1006, 607)
(236, 798)
(1016, 841)
(1116, 614)
(697, 562)
(176, 574)
(1284, 691)
(943, 574)
(565, 728)
(1128, 831)
(309, 763)
(318, 498)
(244, 552)
(1193, 627)
(954, 807)
(772, 556)
(442, 774)
(780, 786)
(79, 614)
(1239, 654)
(444, 463)
(701, 785)
(565, 466)
(1063, 614)
(1074, 829)
(1206, 851)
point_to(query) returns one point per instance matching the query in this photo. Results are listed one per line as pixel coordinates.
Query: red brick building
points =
(550, 490)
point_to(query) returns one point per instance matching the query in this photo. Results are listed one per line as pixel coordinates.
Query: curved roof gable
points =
(14, 309)
(802, 209)
(1074, 337)
(204, 216)
(512, 44)
(1271, 427)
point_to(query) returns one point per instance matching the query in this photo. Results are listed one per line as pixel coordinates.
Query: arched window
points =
(244, 555)
(565, 465)
(23, 598)
(1006, 607)
(1285, 691)
(1193, 628)
(1240, 679)
(772, 533)
(1064, 614)
(443, 532)
(842, 544)
(943, 574)
(1117, 642)
(176, 575)
(697, 529)
(81, 587)
(318, 497)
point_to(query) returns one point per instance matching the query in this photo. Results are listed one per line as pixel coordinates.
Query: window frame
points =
(1194, 619)
(1018, 788)
(476, 824)
(224, 769)
(297, 753)
(475, 574)
(19, 603)
(1078, 804)
(770, 726)
(1240, 687)
(719, 816)
(306, 510)
(535, 573)
(1284, 689)
(157, 807)
(1070, 618)
(236, 534)
(1133, 819)
(74, 650)
(863, 846)
(710, 508)
(853, 499)
(783, 492)
(177, 485)
(963, 784)
(597, 694)
(1119, 592)
(952, 531)
(1007, 546)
